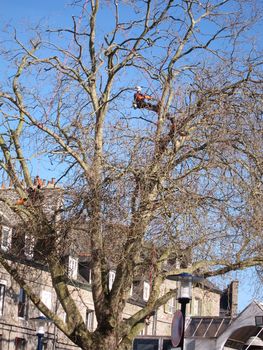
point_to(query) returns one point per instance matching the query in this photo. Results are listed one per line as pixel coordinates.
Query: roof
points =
(207, 327)
(241, 336)
(259, 304)
(209, 285)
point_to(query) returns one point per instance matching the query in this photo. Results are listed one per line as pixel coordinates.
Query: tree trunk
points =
(108, 342)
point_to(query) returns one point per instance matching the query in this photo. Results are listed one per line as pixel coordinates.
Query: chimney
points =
(234, 298)
(53, 180)
(229, 300)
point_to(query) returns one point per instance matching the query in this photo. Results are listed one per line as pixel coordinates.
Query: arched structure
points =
(225, 333)
(242, 328)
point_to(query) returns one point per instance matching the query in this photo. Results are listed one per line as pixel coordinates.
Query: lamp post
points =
(184, 295)
(40, 323)
(40, 335)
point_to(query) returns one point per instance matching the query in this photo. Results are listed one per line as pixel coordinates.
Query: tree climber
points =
(33, 192)
(38, 183)
(21, 201)
(139, 101)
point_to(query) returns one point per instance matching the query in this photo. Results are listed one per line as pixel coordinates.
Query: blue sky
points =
(29, 11)
(22, 14)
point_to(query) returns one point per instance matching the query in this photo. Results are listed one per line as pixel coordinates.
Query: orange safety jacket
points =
(140, 97)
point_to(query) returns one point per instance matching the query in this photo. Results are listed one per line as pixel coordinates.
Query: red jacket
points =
(138, 96)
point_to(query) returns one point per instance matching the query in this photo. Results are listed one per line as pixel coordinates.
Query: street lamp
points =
(184, 295)
(40, 322)
(40, 336)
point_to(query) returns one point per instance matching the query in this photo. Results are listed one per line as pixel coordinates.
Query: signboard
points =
(177, 328)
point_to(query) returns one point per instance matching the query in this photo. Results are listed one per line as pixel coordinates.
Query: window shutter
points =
(165, 306)
(171, 306)
(6, 238)
(131, 290)
(112, 275)
(90, 319)
(146, 291)
(2, 296)
(29, 246)
(46, 298)
(73, 267)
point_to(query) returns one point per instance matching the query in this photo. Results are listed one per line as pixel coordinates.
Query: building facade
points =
(18, 315)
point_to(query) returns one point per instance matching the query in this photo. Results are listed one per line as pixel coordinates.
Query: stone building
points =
(17, 313)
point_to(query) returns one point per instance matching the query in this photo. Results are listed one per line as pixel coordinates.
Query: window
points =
(22, 304)
(146, 344)
(20, 343)
(85, 271)
(259, 321)
(112, 275)
(146, 291)
(89, 319)
(197, 309)
(73, 267)
(171, 306)
(2, 296)
(177, 264)
(154, 323)
(46, 299)
(6, 238)
(167, 344)
(142, 332)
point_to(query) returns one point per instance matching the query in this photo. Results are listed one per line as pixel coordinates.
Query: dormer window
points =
(85, 271)
(6, 238)
(146, 291)
(73, 267)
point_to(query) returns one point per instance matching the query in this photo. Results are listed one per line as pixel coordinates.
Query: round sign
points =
(177, 328)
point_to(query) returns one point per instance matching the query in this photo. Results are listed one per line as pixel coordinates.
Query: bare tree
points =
(181, 175)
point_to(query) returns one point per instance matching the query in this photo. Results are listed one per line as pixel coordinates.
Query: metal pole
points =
(39, 341)
(183, 302)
